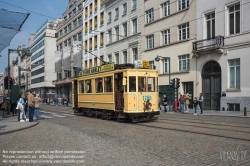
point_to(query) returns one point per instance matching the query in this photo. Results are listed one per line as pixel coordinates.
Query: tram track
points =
(210, 132)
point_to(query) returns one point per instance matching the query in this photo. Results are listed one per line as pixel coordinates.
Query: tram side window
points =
(151, 84)
(132, 84)
(88, 86)
(108, 84)
(142, 84)
(98, 84)
(81, 87)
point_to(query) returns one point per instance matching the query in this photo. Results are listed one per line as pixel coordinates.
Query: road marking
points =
(44, 116)
(59, 116)
(68, 115)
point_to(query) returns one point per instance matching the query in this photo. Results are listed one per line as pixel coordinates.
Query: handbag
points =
(19, 106)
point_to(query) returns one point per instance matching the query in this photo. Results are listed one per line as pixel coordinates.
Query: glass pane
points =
(108, 84)
(232, 76)
(99, 86)
(132, 84)
(208, 29)
(141, 84)
(231, 9)
(88, 86)
(238, 77)
(151, 84)
(237, 62)
(237, 7)
(213, 28)
(237, 26)
(231, 23)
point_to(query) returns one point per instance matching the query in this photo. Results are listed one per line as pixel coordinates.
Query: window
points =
(108, 84)
(101, 39)
(109, 36)
(149, 15)
(124, 9)
(165, 9)
(90, 8)
(69, 42)
(125, 57)
(95, 22)
(132, 84)
(234, 19)
(101, 19)
(99, 85)
(142, 84)
(86, 27)
(95, 42)
(117, 33)
(61, 33)
(90, 25)
(65, 18)
(150, 41)
(117, 58)
(184, 31)
(151, 63)
(88, 86)
(80, 36)
(61, 46)
(69, 27)
(134, 4)
(75, 38)
(81, 87)
(65, 30)
(75, 23)
(184, 63)
(183, 4)
(74, 11)
(38, 71)
(165, 66)
(234, 69)
(79, 7)
(109, 17)
(151, 84)
(80, 21)
(116, 13)
(37, 80)
(210, 19)
(65, 43)
(134, 26)
(166, 36)
(110, 58)
(125, 31)
(86, 12)
(135, 54)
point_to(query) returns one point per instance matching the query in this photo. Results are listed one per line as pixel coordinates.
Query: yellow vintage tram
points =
(117, 91)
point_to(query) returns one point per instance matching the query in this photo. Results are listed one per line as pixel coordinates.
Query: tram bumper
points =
(143, 116)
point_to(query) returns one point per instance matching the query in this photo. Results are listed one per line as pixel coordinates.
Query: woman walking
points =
(37, 104)
(20, 106)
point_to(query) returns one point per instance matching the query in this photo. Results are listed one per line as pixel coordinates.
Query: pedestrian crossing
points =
(51, 115)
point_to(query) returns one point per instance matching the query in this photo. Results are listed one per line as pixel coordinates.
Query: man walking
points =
(31, 104)
(200, 102)
(165, 102)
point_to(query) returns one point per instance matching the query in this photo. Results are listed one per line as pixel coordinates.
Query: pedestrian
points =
(37, 104)
(48, 101)
(187, 98)
(26, 105)
(31, 104)
(20, 106)
(201, 99)
(159, 103)
(165, 102)
(182, 103)
(6, 101)
(195, 103)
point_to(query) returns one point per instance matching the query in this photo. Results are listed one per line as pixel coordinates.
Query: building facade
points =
(123, 30)
(169, 30)
(42, 60)
(94, 29)
(222, 51)
(69, 59)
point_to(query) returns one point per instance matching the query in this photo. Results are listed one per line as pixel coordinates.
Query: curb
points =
(232, 116)
(12, 131)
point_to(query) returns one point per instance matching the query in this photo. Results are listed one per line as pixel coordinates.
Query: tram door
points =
(119, 100)
(75, 95)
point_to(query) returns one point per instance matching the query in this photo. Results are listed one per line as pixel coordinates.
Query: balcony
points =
(62, 81)
(213, 44)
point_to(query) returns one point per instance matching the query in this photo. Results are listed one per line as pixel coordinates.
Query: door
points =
(119, 99)
(188, 88)
(211, 85)
(75, 90)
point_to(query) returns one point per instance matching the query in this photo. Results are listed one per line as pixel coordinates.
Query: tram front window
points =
(151, 84)
(132, 84)
(141, 84)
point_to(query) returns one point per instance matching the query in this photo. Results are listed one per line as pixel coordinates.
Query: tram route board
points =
(98, 69)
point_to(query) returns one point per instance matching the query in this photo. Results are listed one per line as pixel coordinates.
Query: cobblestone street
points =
(174, 139)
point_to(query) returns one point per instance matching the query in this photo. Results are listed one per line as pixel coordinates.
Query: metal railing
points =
(217, 41)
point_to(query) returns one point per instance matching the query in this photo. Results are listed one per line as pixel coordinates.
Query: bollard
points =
(18, 114)
(245, 111)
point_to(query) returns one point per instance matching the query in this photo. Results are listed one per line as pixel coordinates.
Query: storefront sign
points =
(98, 69)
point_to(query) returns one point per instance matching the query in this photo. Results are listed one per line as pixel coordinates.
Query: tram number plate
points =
(146, 97)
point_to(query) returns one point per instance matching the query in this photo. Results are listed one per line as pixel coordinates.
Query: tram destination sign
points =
(98, 69)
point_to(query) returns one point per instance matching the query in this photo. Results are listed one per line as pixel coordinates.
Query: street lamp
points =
(157, 59)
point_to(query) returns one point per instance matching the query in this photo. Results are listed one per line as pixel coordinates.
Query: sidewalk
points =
(11, 124)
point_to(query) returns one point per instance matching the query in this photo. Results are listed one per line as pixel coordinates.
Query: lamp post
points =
(157, 59)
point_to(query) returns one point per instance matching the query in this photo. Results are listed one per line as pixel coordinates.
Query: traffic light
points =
(6, 82)
(178, 81)
(172, 83)
(11, 82)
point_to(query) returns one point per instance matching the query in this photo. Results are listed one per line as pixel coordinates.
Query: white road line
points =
(68, 115)
(44, 116)
(59, 116)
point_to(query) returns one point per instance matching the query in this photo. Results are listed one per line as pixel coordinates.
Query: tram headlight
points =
(148, 105)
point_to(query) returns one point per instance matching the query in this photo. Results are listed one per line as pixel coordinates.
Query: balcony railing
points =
(208, 44)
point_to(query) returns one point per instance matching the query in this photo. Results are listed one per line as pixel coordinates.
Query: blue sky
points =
(50, 8)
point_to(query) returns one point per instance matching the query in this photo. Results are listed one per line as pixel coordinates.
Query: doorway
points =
(211, 85)
(75, 90)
